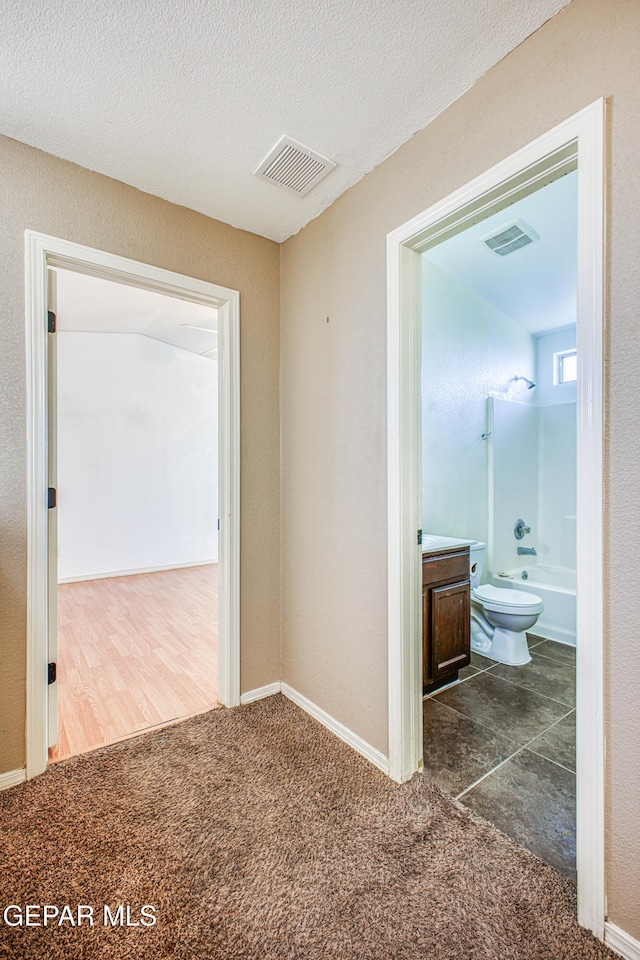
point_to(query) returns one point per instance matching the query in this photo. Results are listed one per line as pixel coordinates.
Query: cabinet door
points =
(450, 629)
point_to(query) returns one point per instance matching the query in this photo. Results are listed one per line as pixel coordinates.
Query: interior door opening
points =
(578, 139)
(133, 538)
(44, 257)
(499, 305)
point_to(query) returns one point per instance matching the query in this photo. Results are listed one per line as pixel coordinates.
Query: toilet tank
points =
(476, 561)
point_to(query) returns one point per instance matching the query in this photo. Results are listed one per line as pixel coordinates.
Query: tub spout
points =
(527, 552)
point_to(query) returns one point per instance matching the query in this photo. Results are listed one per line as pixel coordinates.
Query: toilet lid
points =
(505, 598)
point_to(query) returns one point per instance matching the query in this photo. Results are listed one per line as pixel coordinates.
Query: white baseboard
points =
(361, 746)
(12, 778)
(260, 692)
(365, 749)
(132, 573)
(552, 632)
(621, 941)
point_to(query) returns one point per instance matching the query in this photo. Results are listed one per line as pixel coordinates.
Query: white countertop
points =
(433, 544)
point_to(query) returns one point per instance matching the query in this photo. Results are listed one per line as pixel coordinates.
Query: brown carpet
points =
(256, 834)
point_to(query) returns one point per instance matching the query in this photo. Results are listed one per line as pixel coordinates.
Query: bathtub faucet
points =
(527, 552)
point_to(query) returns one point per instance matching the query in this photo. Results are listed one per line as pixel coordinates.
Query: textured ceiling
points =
(535, 286)
(184, 100)
(92, 305)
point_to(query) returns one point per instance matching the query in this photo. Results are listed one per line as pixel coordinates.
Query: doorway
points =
(43, 254)
(499, 445)
(579, 140)
(134, 424)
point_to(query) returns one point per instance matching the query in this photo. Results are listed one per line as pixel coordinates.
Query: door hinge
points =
(218, 524)
(51, 673)
(419, 538)
(51, 321)
(51, 498)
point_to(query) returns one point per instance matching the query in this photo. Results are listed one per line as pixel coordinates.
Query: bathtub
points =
(556, 587)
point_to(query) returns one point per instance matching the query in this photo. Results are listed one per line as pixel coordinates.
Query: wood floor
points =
(134, 653)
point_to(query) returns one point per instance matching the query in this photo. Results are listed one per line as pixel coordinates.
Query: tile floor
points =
(502, 741)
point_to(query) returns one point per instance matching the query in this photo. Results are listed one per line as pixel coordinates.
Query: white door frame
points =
(581, 137)
(41, 252)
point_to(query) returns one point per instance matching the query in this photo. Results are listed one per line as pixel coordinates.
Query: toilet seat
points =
(505, 600)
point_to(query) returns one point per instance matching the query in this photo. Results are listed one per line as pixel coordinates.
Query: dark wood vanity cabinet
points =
(446, 617)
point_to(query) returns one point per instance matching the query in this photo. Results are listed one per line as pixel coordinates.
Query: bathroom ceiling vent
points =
(509, 238)
(294, 166)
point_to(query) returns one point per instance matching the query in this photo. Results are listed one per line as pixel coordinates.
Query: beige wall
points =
(41, 193)
(332, 384)
(333, 392)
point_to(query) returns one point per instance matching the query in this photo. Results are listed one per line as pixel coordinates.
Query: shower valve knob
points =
(519, 529)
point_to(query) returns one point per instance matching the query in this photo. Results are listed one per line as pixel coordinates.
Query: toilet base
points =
(503, 646)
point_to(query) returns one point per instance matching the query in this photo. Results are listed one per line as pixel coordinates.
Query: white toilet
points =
(500, 616)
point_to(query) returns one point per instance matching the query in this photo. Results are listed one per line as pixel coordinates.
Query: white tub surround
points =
(556, 588)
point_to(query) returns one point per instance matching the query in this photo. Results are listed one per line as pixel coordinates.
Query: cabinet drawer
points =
(445, 566)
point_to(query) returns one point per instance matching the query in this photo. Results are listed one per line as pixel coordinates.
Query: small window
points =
(565, 367)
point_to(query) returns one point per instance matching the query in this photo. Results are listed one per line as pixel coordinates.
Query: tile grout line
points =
(455, 683)
(449, 686)
(555, 724)
(570, 709)
(528, 689)
(496, 663)
(546, 730)
(525, 746)
(488, 773)
(542, 640)
(479, 723)
(567, 706)
(564, 663)
(555, 762)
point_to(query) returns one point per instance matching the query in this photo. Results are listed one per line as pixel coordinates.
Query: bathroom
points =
(499, 469)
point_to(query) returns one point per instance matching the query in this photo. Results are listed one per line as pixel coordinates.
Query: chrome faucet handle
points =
(519, 529)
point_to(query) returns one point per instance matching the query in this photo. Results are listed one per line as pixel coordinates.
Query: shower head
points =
(530, 384)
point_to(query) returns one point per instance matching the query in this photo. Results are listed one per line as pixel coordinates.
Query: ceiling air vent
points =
(513, 236)
(294, 166)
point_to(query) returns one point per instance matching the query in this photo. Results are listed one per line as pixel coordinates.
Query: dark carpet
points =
(254, 833)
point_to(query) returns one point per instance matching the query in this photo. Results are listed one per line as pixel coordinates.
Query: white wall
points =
(557, 454)
(469, 351)
(515, 473)
(478, 489)
(557, 485)
(137, 455)
(546, 346)
(533, 467)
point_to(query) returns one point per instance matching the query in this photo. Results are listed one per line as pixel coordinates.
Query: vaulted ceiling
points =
(92, 305)
(184, 100)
